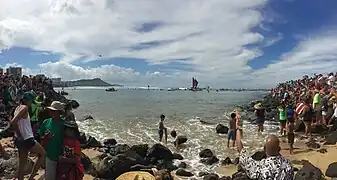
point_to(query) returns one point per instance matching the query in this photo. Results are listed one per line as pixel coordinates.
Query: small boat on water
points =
(195, 85)
(111, 89)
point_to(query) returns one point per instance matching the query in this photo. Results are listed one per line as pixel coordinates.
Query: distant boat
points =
(111, 89)
(195, 85)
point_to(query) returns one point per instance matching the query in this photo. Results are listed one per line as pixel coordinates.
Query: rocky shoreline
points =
(109, 159)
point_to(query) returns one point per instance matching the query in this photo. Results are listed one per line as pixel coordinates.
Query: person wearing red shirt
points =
(69, 166)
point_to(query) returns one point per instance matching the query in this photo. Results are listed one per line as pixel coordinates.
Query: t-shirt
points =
(290, 113)
(317, 100)
(71, 149)
(282, 114)
(54, 144)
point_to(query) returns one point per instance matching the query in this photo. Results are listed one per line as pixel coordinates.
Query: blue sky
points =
(222, 43)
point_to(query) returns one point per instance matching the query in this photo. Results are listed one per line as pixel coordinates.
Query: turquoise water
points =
(131, 116)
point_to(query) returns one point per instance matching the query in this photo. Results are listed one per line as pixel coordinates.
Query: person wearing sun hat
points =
(51, 132)
(136, 175)
(260, 115)
(69, 164)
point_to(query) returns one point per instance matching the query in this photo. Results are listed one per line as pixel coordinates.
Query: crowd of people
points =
(47, 128)
(309, 100)
(42, 126)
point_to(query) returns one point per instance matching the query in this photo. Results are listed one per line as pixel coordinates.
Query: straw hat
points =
(56, 106)
(258, 106)
(136, 175)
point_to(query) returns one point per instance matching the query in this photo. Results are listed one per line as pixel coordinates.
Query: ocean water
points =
(131, 117)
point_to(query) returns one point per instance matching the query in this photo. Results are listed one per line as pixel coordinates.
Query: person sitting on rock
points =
(275, 166)
(69, 165)
(162, 129)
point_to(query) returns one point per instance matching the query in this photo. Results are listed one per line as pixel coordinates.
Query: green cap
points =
(28, 96)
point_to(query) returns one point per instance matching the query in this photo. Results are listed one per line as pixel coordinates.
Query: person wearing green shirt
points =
(51, 131)
(317, 106)
(34, 111)
(282, 118)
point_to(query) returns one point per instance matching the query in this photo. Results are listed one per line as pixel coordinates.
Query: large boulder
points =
(109, 142)
(86, 162)
(159, 152)
(182, 165)
(332, 170)
(331, 139)
(114, 166)
(93, 142)
(209, 161)
(74, 104)
(226, 161)
(312, 144)
(206, 153)
(10, 166)
(309, 172)
(240, 176)
(177, 156)
(88, 117)
(141, 149)
(166, 164)
(119, 149)
(180, 140)
(319, 128)
(173, 133)
(211, 176)
(299, 126)
(7, 132)
(221, 129)
(183, 173)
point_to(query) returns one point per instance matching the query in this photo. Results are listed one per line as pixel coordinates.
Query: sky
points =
(223, 43)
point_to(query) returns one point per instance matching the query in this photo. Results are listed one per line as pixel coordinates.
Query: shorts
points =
(291, 120)
(291, 138)
(283, 122)
(323, 113)
(160, 133)
(318, 114)
(25, 144)
(232, 135)
(260, 121)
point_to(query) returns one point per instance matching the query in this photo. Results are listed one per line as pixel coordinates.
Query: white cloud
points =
(211, 33)
(313, 54)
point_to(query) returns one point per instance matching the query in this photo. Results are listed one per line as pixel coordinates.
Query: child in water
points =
(162, 129)
(232, 130)
(69, 166)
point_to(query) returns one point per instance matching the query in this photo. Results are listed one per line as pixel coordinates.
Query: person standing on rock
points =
(24, 137)
(306, 115)
(260, 115)
(275, 166)
(51, 131)
(290, 127)
(162, 129)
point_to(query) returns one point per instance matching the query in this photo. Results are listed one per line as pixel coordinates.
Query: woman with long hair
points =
(24, 138)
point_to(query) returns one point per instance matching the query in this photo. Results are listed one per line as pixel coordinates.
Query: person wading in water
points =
(259, 113)
(162, 129)
(24, 137)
